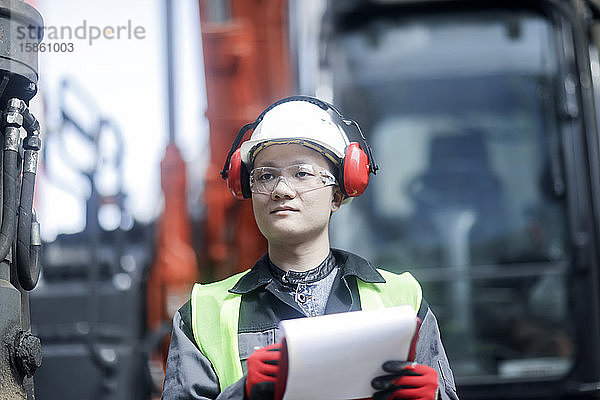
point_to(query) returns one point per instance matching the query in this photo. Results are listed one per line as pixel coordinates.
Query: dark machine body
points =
(20, 351)
(484, 118)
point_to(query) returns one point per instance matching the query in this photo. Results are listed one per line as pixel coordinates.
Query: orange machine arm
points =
(175, 268)
(247, 67)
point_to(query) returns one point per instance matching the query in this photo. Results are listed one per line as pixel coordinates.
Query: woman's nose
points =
(283, 189)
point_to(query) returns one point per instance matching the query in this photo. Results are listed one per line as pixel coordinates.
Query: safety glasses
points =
(301, 178)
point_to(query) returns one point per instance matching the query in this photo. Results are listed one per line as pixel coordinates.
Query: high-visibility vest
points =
(215, 315)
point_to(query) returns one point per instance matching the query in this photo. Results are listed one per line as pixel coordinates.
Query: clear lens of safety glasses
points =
(301, 178)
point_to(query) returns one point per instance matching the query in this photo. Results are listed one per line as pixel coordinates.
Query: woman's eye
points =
(265, 176)
(303, 174)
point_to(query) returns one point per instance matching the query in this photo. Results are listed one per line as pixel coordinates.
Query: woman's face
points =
(285, 216)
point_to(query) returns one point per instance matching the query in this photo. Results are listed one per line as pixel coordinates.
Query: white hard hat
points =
(299, 122)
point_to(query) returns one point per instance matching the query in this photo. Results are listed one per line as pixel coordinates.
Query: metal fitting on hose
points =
(36, 235)
(33, 142)
(11, 138)
(30, 161)
(13, 116)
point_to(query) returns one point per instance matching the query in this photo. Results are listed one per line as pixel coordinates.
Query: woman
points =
(302, 161)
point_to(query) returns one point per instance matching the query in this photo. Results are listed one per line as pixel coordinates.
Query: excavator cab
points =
(482, 117)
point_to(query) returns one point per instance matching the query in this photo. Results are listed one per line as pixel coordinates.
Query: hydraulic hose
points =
(30, 123)
(9, 173)
(13, 120)
(28, 262)
(28, 238)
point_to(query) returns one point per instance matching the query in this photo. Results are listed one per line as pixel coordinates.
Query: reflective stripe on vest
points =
(215, 316)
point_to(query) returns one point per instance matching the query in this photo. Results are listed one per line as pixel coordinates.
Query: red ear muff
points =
(234, 175)
(355, 170)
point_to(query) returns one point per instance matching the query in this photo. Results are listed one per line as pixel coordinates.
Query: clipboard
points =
(335, 356)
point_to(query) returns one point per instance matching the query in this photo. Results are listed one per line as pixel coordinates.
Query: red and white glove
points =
(263, 366)
(406, 381)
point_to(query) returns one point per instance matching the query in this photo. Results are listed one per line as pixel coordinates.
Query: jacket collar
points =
(351, 264)
(354, 265)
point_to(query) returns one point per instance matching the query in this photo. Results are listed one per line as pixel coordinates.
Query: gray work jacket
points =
(190, 374)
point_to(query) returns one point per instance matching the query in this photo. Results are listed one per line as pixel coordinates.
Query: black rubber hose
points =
(30, 123)
(9, 212)
(28, 269)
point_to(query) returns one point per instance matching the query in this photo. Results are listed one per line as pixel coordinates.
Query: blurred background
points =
(105, 79)
(482, 118)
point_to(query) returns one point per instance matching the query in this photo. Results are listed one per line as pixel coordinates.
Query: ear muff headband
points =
(235, 145)
(352, 171)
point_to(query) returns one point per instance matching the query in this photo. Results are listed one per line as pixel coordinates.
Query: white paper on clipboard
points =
(336, 356)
